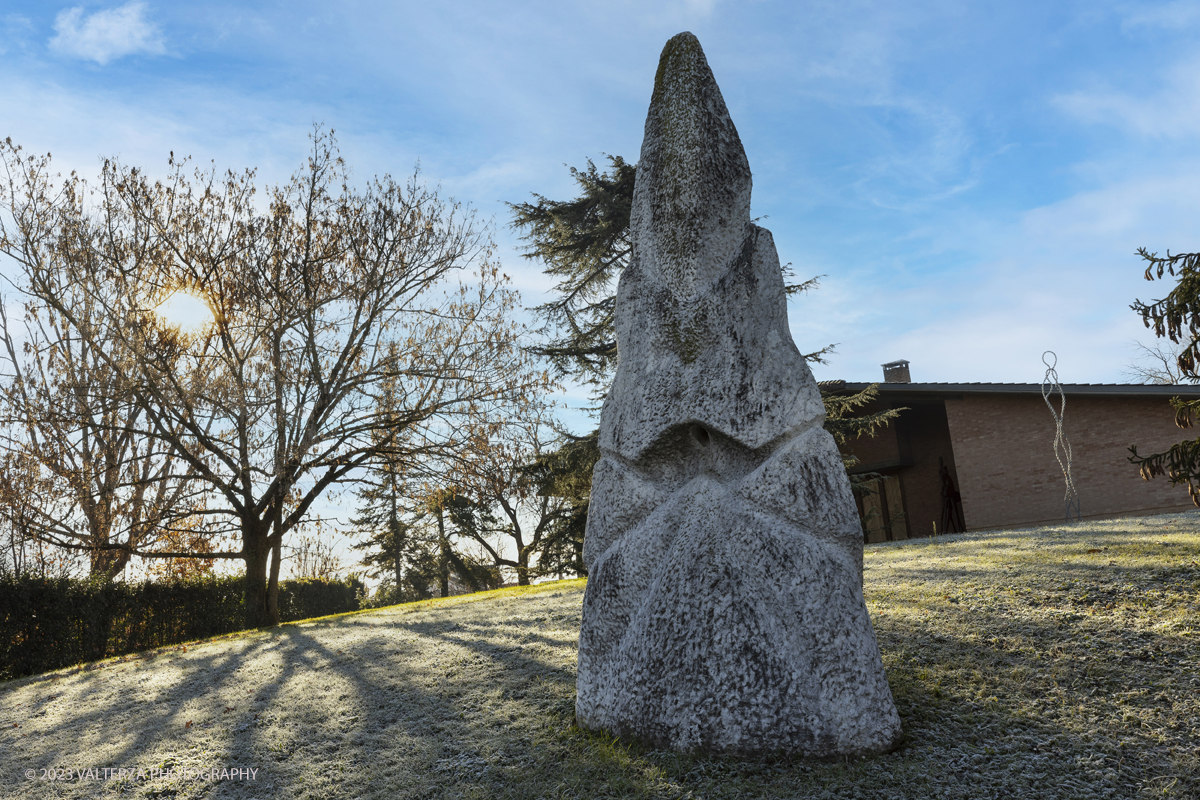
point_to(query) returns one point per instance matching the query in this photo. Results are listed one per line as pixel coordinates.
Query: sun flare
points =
(185, 311)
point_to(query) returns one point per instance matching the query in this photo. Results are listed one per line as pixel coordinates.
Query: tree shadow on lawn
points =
(487, 717)
(982, 734)
(104, 708)
(978, 723)
(1088, 684)
(297, 700)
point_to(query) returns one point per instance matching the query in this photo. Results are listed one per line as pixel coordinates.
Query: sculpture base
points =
(714, 627)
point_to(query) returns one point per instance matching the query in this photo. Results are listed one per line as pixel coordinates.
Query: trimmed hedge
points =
(49, 623)
(311, 597)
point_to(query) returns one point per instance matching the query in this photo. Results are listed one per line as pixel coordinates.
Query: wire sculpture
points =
(1062, 445)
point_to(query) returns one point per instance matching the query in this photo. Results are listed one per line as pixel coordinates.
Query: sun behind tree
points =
(186, 311)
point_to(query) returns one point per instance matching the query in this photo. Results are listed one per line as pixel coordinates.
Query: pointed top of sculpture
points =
(691, 202)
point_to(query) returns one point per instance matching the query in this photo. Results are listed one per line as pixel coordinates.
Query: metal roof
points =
(937, 389)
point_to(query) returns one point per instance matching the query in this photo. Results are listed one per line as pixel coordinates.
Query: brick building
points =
(980, 455)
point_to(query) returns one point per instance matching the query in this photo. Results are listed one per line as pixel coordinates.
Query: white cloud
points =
(14, 30)
(1059, 277)
(106, 35)
(1173, 16)
(1171, 112)
(702, 7)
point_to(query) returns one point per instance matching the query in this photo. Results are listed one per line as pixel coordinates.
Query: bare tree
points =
(313, 557)
(72, 418)
(21, 551)
(318, 300)
(1158, 364)
(496, 474)
(186, 536)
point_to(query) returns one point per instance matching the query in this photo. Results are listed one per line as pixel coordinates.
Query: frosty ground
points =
(1058, 662)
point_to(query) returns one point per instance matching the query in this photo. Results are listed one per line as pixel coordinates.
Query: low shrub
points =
(313, 597)
(49, 623)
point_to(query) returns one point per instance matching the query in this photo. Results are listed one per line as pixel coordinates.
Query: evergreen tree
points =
(585, 244)
(391, 549)
(412, 551)
(566, 473)
(843, 413)
(467, 518)
(407, 544)
(1176, 317)
(512, 515)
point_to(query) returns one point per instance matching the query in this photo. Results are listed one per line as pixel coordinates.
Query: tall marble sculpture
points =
(724, 609)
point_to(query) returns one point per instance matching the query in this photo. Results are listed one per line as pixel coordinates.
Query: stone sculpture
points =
(724, 609)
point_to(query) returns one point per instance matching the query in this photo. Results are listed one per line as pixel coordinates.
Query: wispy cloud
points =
(106, 35)
(673, 12)
(14, 31)
(1172, 111)
(1059, 277)
(1173, 16)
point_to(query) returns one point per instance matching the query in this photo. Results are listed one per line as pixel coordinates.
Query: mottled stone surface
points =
(724, 609)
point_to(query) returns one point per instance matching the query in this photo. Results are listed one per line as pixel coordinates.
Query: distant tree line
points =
(362, 341)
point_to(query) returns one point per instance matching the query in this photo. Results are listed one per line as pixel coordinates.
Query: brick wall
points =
(1005, 462)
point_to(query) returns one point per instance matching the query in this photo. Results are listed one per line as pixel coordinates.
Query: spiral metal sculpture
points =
(1062, 445)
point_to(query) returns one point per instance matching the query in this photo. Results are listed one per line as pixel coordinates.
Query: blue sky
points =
(972, 179)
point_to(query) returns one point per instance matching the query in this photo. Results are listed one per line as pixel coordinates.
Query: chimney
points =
(896, 372)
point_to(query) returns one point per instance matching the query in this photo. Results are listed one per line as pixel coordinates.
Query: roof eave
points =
(1101, 389)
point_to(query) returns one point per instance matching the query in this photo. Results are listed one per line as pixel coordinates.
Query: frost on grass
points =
(1050, 663)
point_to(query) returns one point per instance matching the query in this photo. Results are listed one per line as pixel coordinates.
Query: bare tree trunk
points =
(273, 583)
(519, 540)
(108, 563)
(444, 555)
(258, 550)
(396, 543)
(276, 557)
(523, 567)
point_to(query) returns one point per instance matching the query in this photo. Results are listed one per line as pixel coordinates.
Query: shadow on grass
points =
(972, 730)
(465, 702)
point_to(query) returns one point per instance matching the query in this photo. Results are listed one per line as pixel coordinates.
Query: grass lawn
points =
(1050, 663)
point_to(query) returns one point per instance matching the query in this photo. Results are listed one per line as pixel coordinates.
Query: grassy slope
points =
(1056, 663)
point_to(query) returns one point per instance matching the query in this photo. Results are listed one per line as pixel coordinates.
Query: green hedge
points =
(49, 623)
(308, 598)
